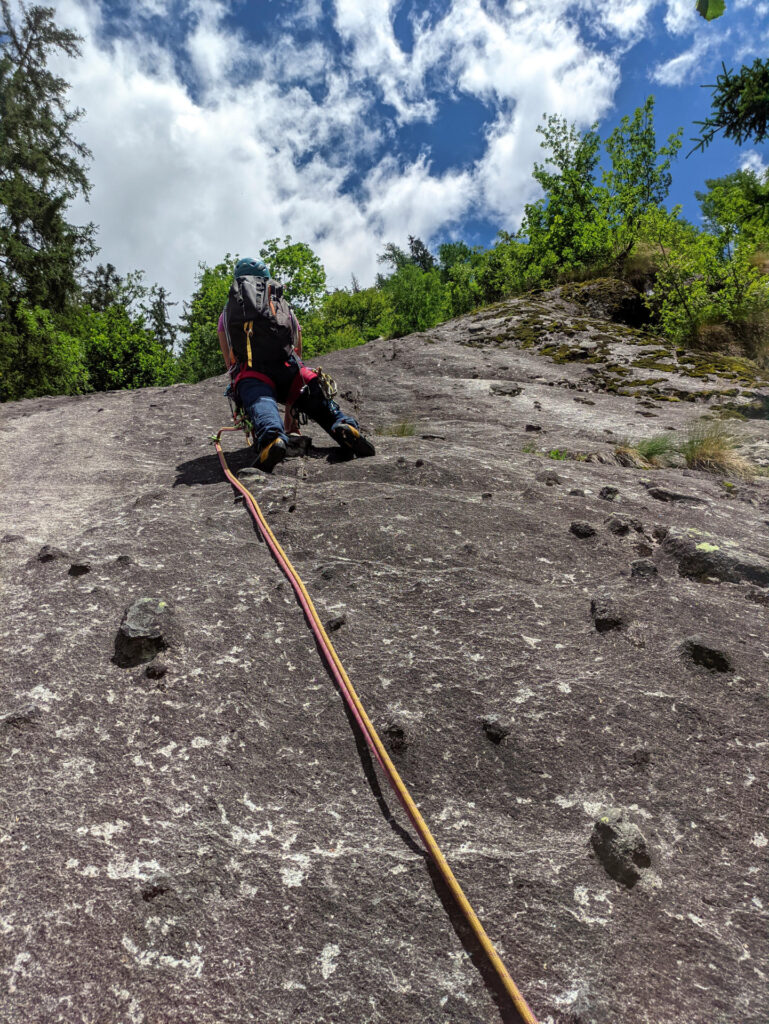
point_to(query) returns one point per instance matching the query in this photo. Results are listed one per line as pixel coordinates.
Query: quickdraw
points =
(327, 383)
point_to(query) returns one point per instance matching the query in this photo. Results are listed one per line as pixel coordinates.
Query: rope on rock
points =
(372, 738)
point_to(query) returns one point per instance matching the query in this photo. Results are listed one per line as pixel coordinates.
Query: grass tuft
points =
(645, 453)
(406, 428)
(712, 447)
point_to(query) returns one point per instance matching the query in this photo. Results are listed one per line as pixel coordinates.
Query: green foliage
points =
(41, 164)
(564, 228)
(710, 9)
(638, 177)
(404, 428)
(461, 269)
(121, 351)
(417, 299)
(739, 106)
(696, 283)
(346, 318)
(580, 224)
(507, 268)
(300, 270)
(737, 205)
(201, 356)
(39, 356)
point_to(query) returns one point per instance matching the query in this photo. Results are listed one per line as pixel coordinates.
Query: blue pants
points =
(260, 402)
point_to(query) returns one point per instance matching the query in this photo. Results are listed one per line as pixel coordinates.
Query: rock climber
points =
(261, 342)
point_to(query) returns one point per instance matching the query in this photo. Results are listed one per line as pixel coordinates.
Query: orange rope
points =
(370, 733)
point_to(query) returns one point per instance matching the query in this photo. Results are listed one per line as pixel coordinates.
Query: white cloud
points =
(681, 16)
(753, 161)
(292, 139)
(682, 69)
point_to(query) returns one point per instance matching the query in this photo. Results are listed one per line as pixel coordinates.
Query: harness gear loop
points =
(371, 736)
(327, 383)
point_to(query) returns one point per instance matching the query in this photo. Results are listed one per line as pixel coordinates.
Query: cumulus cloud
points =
(213, 143)
(753, 161)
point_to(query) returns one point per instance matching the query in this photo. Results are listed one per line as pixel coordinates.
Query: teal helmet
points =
(248, 267)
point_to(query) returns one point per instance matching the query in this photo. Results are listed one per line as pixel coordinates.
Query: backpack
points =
(258, 321)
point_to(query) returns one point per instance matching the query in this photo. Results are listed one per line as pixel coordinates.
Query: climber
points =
(261, 342)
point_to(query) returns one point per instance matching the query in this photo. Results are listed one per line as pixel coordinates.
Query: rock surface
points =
(208, 841)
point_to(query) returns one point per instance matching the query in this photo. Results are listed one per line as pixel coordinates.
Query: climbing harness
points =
(370, 734)
(240, 418)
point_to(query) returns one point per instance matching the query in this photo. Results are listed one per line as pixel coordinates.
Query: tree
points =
(737, 205)
(300, 270)
(121, 351)
(565, 229)
(347, 318)
(417, 300)
(420, 255)
(41, 164)
(638, 177)
(739, 106)
(41, 170)
(201, 356)
(461, 268)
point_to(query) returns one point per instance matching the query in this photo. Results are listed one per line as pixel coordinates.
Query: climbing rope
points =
(372, 738)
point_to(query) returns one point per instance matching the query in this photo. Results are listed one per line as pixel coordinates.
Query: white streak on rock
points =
(327, 959)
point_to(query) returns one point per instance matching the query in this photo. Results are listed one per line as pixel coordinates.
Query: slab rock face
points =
(192, 829)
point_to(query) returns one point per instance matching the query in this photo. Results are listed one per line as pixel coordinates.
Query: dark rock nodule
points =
(141, 634)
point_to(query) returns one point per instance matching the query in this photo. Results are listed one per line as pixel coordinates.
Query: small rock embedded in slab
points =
(582, 530)
(124, 560)
(620, 846)
(506, 388)
(662, 494)
(79, 569)
(643, 569)
(48, 553)
(140, 636)
(155, 671)
(11, 538)
(497, 728)
(336, 623)
(619, 527)
(533, 428)
(702, 653)
(486, 495)
(606, 614)
(577, 492)
(549, 478)
(608, 493)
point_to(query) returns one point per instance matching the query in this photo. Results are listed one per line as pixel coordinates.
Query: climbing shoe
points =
(351, 438)
(272, 454)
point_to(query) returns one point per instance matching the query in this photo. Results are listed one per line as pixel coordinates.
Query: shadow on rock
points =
(208, 470)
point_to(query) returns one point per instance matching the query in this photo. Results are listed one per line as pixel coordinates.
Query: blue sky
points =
(348, 123)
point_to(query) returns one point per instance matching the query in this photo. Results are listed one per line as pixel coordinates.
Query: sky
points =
(346, 124)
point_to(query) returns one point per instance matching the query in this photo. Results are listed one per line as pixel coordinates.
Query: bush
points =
(39, 356)
(417, 300)
(121, 352)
